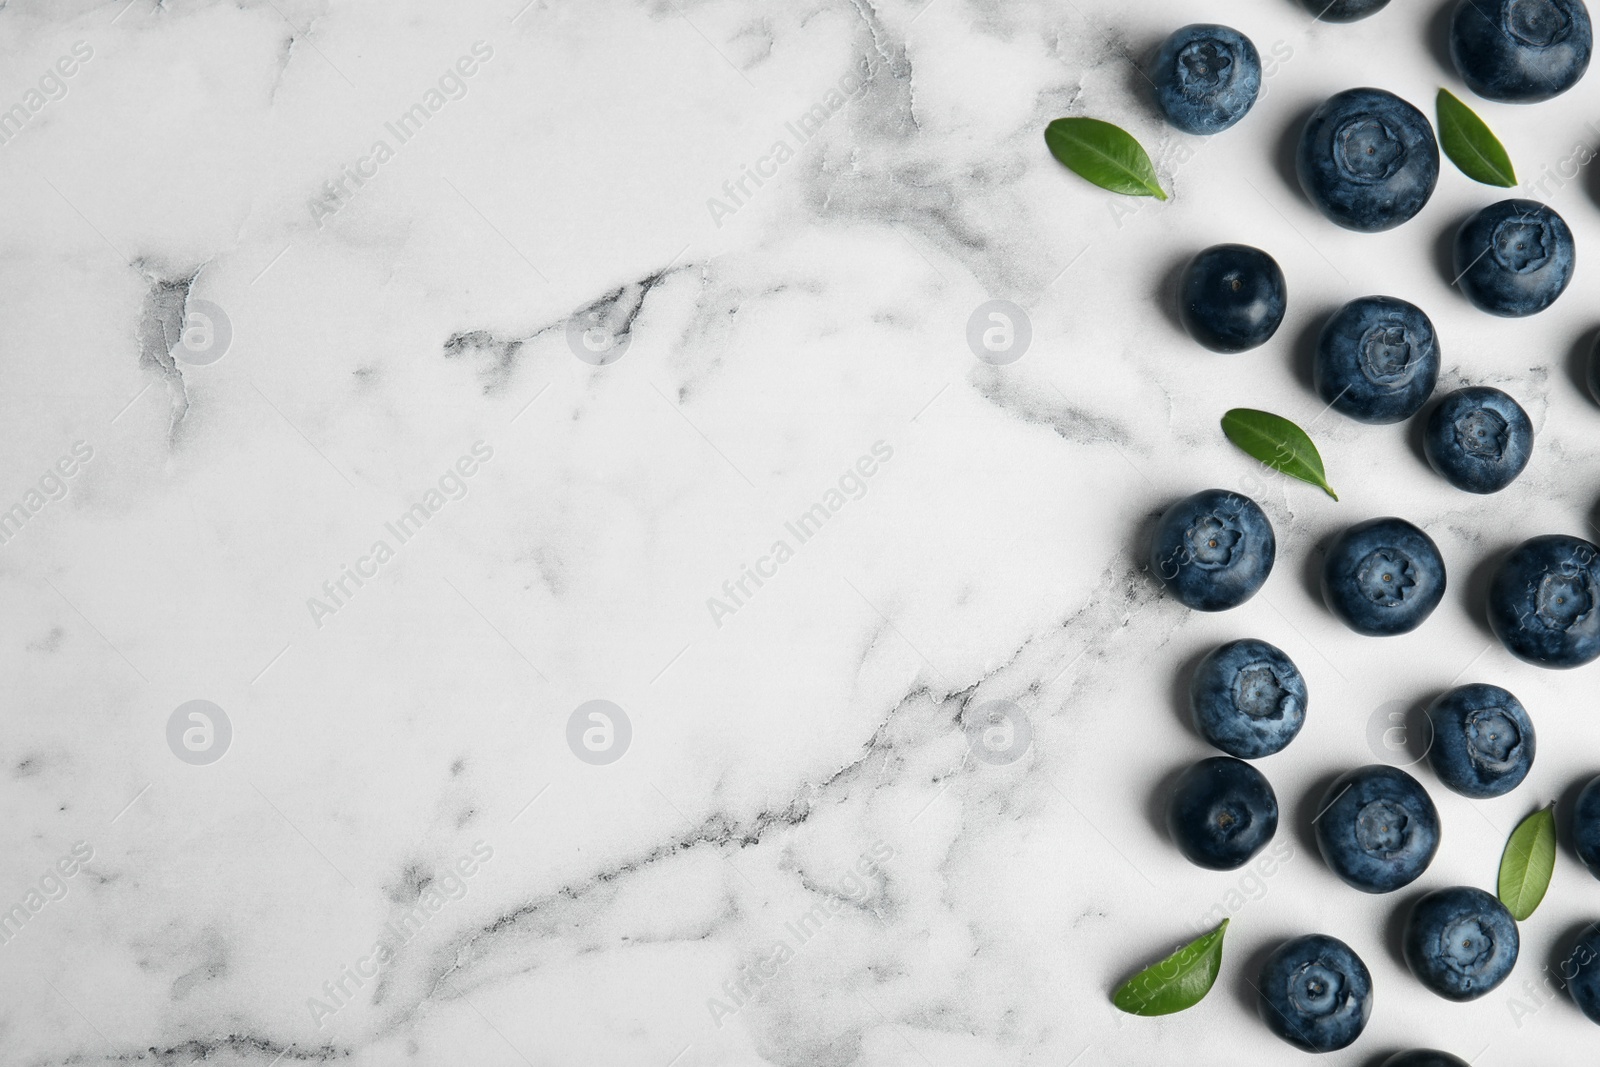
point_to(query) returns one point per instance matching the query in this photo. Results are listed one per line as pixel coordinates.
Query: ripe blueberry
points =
(1206, 77)
(1213, 550)
(1248, 699)
(1586, 827)
(1367, 160)
(1222, 812)
(1520, 51)
(1483, 741)
(1424, 1057)
(1383, 577)
(1377, 360)
(1460, 942)
(1542, 600)
(1315, 993)
(1231, 297)
(1479, 439)
(1377, 828)
(1514, 258)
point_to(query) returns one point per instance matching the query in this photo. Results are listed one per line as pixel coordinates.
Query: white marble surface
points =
(803, 754)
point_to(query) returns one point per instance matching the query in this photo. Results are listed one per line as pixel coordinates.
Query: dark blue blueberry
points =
(1479, 439)
(1383, 577)
(1377, 828)
(1514, 258)
(1222, 813)
(1206, 77)
(1583, 964)
(1377, 360)
(1213, 550)
(1586, 826)
(1460, 942)
(1248, 699)
(1542, 601)
(1232, 297)
(1424, 1057)
(1344, 10)
(1315, 993)
(1520, 51)
(1483, 741)
(1367, 160)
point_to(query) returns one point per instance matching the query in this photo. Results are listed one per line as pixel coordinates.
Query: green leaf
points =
(1528, 862)
(1104, 154)
(1278, 443)
(1471, 146)
(1180, 981)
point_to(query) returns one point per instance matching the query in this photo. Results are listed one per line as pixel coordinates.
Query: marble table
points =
(513, 553)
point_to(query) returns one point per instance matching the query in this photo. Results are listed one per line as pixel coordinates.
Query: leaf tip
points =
(1329, 490)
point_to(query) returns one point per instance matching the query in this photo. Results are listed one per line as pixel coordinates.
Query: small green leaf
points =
(1278, 443)
(1470, 144)
(1104, 154)
(1180, 981)
(1528, 862)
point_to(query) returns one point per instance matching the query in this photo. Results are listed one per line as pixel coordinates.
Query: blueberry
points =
(1231, 297)
(1460, 942)
(1206, 77)
(1383, 577)
(1479, 439)
(1584, 985)
(1483, 741)
(1514, 258)
(1377, 829)
(1542, 600)
(1222, 812)
(1344, 10)
(1248, 699)
(1377, 360)
(1213, 550)
(1315, 993)
(1520, 51)
(1586, 827)
(1367, 160)
(1424, 1057)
